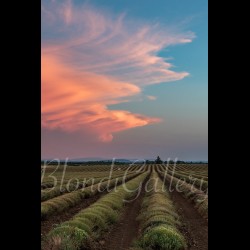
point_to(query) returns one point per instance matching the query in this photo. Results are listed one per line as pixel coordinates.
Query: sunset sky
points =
(124, 79)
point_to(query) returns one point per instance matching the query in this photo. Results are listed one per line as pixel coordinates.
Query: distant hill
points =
(102, 159)
(96, 159)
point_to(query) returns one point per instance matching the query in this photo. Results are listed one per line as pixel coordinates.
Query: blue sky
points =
(181, 104)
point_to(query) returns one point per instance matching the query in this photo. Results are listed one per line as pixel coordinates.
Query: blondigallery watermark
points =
(54, 176)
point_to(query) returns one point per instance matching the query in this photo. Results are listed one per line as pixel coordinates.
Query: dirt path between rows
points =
(194, 228)
(48, 224)
(125, 231)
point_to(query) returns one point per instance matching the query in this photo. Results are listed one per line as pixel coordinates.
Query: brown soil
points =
(48, 224)
(194, 228)
(122, 234)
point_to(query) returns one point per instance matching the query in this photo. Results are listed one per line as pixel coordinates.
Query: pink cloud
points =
(74, 100)
(151, 98)
(93, 61)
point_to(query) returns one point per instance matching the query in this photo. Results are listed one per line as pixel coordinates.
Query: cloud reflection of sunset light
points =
(97, 61)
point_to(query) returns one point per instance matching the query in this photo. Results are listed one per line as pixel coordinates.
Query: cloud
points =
(77, 100)
(151, 98)
(92, 60)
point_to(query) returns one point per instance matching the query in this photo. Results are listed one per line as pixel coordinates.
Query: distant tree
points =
(180, 162)
(158, 160)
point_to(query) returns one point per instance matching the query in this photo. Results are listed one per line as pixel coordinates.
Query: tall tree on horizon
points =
(158, 160)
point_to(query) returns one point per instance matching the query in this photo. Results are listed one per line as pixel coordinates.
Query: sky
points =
(124, 79)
